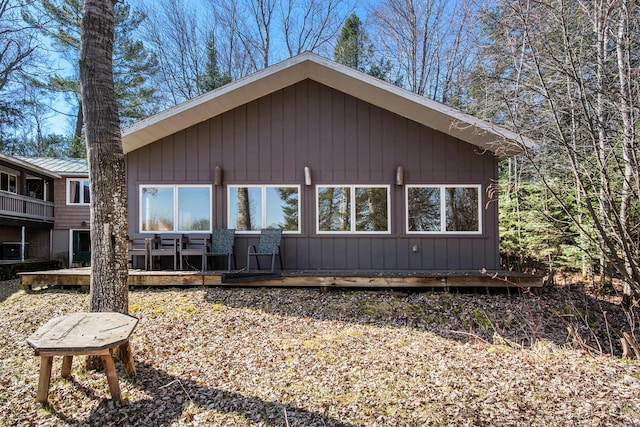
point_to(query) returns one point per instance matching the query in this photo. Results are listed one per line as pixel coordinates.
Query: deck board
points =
(323, 279)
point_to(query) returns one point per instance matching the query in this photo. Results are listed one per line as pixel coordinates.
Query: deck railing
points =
(17, 206)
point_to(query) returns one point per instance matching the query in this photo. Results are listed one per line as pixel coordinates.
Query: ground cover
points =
(301, 357)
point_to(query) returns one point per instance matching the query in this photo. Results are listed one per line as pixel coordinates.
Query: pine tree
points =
(354, 48)
(132, 63)
(109, 267)
(213, 77)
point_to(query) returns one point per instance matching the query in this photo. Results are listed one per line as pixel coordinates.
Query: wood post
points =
(46, 362)
(126, 356)
(66, 366)
(112, 377)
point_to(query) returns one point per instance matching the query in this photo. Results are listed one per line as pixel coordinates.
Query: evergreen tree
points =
(213, 77)
(133, 65)
(354, 48)
(108, 287)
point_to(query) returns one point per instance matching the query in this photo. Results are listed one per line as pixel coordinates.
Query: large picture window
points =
(254, 207)
(175, 208)
(443, 209)
(78, 192)
(353, 209)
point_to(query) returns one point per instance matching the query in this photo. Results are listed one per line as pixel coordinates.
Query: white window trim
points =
(263, 208)
(443, 209)
(15, 178)
(175, 187)
(352, 213)
(81, 180)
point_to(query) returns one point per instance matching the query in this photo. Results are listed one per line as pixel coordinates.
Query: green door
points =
(81, 247)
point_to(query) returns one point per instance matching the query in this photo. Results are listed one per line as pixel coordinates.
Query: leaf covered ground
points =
(301, 357)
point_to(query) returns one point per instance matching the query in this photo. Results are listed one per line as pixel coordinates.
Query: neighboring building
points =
(26, 209)
(69, 240)
(360, 174)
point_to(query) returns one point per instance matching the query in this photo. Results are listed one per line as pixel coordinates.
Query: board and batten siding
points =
(68, 217)
(343, 140)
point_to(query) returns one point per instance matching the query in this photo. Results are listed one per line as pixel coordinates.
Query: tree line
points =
(564, 73)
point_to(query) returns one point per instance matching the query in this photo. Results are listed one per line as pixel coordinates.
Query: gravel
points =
(301, 357)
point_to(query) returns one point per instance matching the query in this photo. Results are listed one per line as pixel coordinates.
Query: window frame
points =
(15, 182)
(263, 209)
(176, 210)
(81, 181)
(443, 209)
(353, 206)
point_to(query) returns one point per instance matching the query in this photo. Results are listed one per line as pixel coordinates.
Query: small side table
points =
(87, 334)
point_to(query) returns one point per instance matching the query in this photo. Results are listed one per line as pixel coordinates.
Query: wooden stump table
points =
(84, 334)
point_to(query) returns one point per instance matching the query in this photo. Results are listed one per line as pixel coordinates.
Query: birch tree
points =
(579, 73)
(109, 266)
(429, 43)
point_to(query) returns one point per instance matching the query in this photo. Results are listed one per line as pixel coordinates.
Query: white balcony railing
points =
(17, 206)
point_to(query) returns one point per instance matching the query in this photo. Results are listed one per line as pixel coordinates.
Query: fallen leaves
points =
(300, 357)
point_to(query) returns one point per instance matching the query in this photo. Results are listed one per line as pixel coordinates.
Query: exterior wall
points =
(344, 141)
(60, 246)
(67, 218)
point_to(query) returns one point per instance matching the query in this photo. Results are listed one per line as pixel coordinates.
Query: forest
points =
(563, 73)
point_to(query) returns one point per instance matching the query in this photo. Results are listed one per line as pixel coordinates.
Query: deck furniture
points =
(164, 246)
(221, 244)
(192, 245)
(139, 247)
(268, 245)
(95, 334)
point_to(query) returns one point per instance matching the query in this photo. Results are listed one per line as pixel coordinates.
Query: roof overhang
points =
(499, 141)
(28, 166)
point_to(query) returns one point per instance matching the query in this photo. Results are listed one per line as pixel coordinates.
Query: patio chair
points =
(222, 242)
(269, 245)
(139, 247)
(195, 244)
(164, 246)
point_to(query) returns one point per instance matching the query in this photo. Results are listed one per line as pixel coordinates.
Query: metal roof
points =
(60, 166)
(19, 162)
(501, 142)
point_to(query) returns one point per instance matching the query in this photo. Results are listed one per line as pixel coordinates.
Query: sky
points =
(62, 119)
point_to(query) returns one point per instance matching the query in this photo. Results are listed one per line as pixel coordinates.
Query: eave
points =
(486, 136)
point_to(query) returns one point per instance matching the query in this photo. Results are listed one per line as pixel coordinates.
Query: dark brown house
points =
(360, 174)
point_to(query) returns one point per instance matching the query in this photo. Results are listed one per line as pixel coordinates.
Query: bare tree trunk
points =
(244, 209)
(601, 31)
(109, 269)
(77, 133)
(628, 137)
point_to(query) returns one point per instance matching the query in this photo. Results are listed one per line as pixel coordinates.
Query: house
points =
(44, 207)
(26, 209)
(361, 175)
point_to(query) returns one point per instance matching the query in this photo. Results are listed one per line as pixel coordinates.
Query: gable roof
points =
(63, 167)
(501, 142)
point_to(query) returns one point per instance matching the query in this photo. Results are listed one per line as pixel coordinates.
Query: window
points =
(353, 209)
(8, 182)
(254, 207)
(175, 208)
(443, 209)
(78, 192)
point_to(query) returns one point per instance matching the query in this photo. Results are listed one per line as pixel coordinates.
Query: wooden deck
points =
(286, 278)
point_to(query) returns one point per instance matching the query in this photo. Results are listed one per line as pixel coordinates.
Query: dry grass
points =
(294, 357)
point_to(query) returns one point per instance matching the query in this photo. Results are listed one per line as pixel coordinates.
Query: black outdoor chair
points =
(165, 246)
(269, 245)
(222, 242)
(139, 247)
(192, 245)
